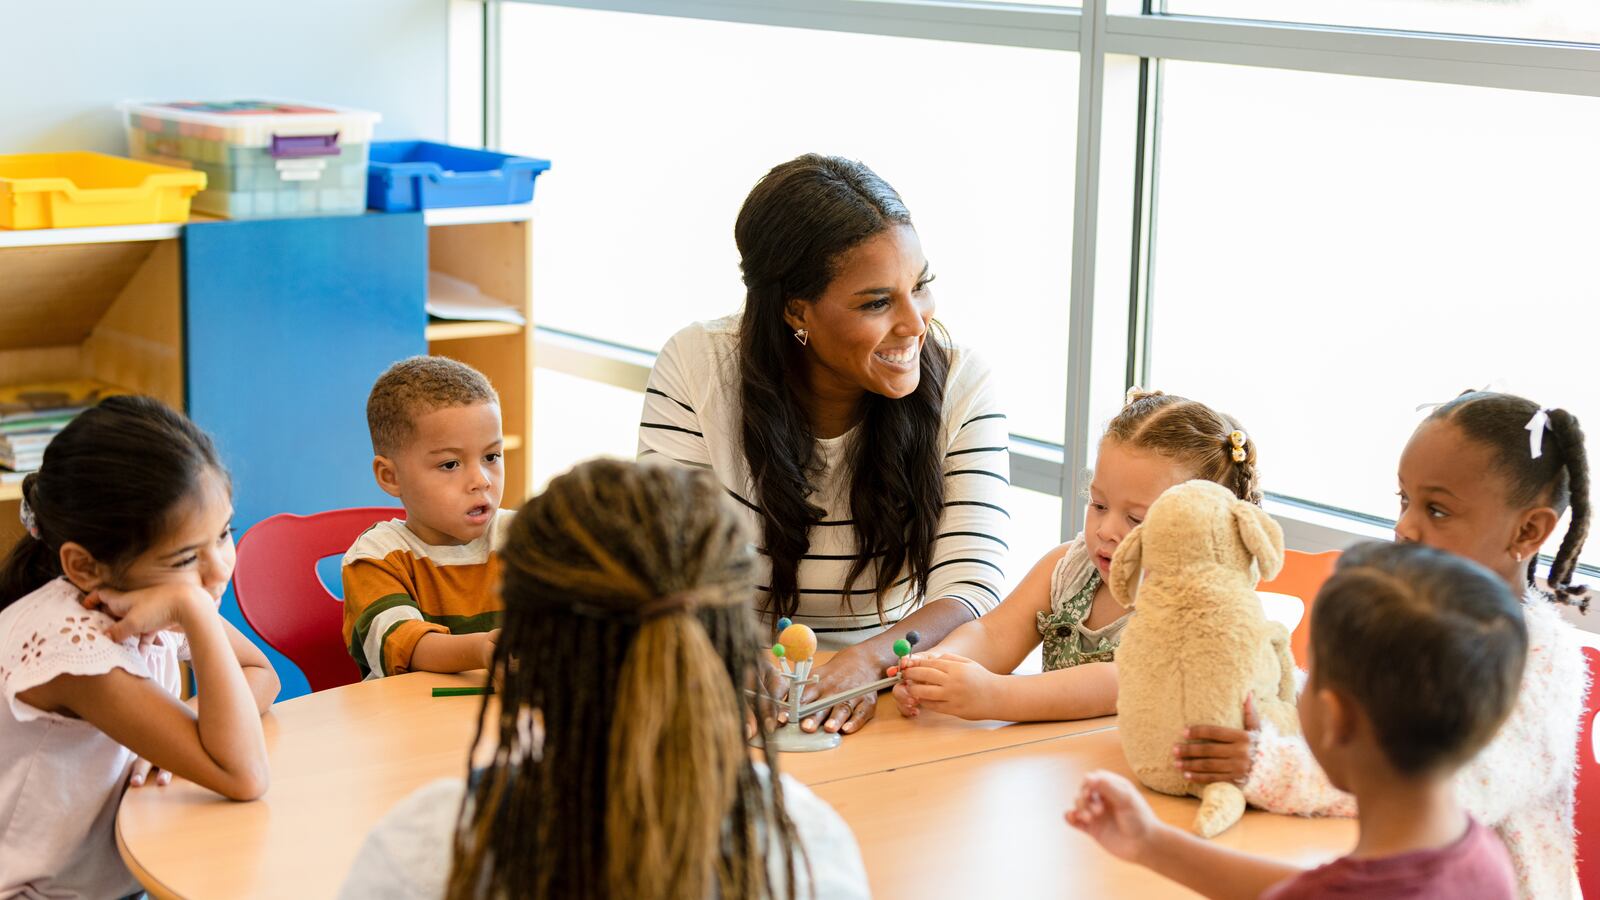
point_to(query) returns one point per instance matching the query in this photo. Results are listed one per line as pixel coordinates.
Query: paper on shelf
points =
(455, 298)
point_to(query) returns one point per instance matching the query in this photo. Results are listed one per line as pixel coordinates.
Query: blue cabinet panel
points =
(287, 324)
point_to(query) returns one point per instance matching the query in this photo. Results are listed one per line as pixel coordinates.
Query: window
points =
(1314, 229)
(1552, 20)
(635, 232)
(1333, 251)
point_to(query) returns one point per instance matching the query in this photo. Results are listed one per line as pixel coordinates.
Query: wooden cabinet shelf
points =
(461, 331)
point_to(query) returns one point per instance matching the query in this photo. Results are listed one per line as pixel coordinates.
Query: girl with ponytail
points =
(1487, 476)
(620, 766)
(1156, 441)
(126, 552)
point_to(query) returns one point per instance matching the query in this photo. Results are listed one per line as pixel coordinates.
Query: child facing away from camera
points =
(1416, 659)
(1487, 476)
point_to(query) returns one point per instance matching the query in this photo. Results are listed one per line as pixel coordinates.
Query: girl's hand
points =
(148, 611)
(947, 683)
(1111, 810)
(903, 701)
(141, 774)
(1213, 753)
(847, 669)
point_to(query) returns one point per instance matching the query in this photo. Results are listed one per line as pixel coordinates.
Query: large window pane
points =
(1553, 20)
(1333, 251)
(659, 126)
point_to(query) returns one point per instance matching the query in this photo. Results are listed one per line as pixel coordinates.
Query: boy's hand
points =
(1213, 753)
(491, 640)
(1111, 810)
(947, 683)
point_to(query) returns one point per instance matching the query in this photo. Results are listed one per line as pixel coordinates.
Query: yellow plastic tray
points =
(79, 189)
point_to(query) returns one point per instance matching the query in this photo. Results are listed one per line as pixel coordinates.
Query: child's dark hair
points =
(621, 768)
(108, 482)
(1213, 443)
(1559, 477)
(1430, 645)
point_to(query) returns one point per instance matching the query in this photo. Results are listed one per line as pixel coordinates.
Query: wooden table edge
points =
(151, 884)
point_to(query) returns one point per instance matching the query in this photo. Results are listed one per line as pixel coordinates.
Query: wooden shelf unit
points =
(491, 247)
(109, 309)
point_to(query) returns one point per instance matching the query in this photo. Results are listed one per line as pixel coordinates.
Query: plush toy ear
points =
(1127, 564)
(1262, 537)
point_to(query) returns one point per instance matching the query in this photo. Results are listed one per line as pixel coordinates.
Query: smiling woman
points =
(869, 451)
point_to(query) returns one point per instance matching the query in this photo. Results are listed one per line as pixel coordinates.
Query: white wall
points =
(68, 62)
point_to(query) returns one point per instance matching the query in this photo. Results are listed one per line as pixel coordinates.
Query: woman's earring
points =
(802, 336)
(1517, 556)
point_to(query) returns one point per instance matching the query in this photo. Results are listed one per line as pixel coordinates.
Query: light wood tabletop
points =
(990, 825)
(952, 794)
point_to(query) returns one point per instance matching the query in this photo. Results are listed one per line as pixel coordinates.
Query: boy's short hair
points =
(416, 386)
(1430, 645)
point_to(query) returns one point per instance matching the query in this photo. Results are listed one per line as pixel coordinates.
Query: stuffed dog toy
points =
(1198, 642)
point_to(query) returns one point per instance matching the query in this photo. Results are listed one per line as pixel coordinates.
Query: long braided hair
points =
(793, 228)
(1559, 476)
(621, 768)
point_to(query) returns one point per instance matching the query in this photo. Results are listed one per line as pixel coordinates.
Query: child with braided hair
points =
(1158, 440)
(620, 767)
(1486, 476)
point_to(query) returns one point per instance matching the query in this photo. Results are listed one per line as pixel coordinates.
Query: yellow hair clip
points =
(1237, 439)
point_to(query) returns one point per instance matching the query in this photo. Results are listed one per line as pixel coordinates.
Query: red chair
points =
(1586, 817)
(282, 596)
(1302, 576)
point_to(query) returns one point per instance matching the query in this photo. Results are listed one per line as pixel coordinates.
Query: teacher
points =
(869, 451)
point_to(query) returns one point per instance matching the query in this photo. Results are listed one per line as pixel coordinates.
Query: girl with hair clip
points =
(1486, 476)
(1157, 441)
(620, 767)
(127, 551)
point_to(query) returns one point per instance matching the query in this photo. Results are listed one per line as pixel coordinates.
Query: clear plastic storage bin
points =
(261, 158)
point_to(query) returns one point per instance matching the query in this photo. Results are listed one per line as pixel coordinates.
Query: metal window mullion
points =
(1080, 316)
(1452, 59)
(1006, 24)
(491, 74)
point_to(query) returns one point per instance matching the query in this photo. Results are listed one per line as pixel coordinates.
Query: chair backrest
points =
(282, 596)
(1302, 576)
(1586, 816)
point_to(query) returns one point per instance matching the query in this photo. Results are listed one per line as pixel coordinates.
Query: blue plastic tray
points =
(404, 176)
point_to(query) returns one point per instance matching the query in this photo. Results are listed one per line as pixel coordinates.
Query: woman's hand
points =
(1212, 753)
(847, 669)
(947, 683)
(1111, 810)
(148, 611)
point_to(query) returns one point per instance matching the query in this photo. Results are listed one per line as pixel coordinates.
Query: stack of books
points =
(30, 415)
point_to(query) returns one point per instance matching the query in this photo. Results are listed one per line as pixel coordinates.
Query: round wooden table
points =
(941, 806)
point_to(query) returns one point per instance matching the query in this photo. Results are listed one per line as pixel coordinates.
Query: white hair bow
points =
(1536, 427)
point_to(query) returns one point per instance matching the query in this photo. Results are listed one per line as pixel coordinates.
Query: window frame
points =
(1114, 205)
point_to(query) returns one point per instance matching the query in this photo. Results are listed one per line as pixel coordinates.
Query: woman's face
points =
(865, 332)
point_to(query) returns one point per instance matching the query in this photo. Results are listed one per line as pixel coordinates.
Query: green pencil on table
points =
(459, 691)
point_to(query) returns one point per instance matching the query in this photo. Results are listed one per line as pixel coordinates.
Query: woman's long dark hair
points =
(108, 481)
(620, 766)
(795, 225)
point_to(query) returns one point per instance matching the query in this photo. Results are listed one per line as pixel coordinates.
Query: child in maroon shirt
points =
(1416, 657)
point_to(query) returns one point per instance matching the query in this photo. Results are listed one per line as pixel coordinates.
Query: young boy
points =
(1416, 658)
(421, 595)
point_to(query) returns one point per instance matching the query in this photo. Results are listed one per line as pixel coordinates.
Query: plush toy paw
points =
(1221, 805)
